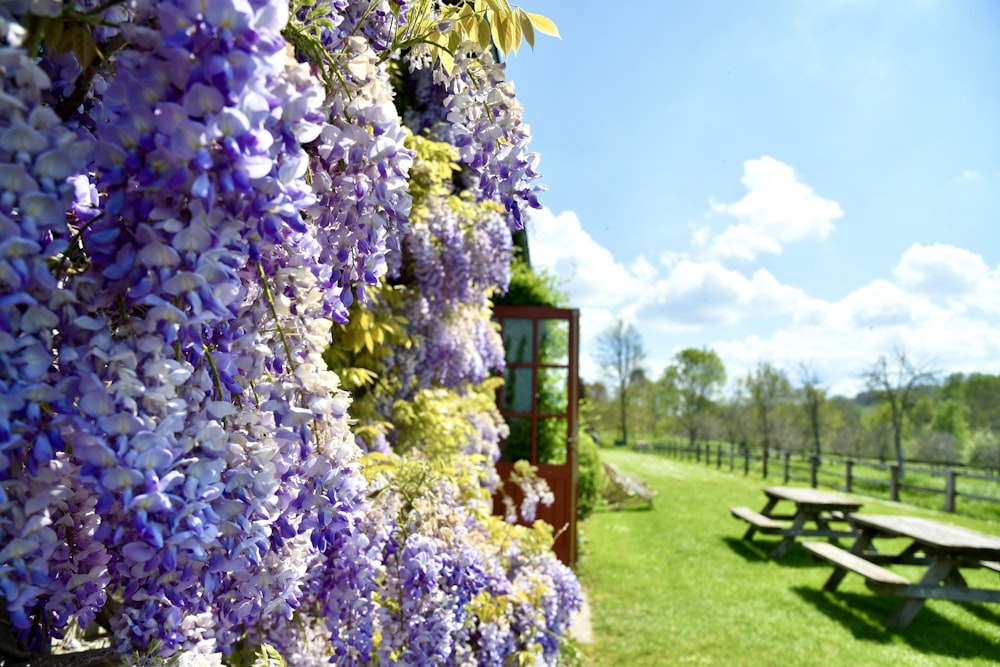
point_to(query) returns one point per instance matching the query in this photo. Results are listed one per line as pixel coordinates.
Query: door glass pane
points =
(518, 341)
(553, 342)
(552, 440)
(553, 390)
(517, 446)
(517, 390)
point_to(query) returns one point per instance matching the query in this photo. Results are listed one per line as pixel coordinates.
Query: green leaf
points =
(54, 30)
(543, 25)
(496, 23)
(507, 43)
(467, 21)
(79, 41)
(268, 656)
(483, 33)
(515, 28)
(526, 28)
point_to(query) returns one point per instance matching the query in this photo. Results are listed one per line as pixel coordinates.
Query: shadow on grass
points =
(930, 633)
(750, 551)
(759, 550)
(983, 612)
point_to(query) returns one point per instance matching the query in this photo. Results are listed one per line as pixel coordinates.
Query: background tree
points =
(697, 375)
(767, 387)
(735, 415)
(893, 380)
(945, 437)
(980, 395)
(620, 354)
(642, 400)
(813, 401)
(845, 422)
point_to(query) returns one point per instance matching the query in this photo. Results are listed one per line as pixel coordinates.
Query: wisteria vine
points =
(191, 191)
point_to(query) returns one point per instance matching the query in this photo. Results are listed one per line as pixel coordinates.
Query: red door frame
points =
(561, 477)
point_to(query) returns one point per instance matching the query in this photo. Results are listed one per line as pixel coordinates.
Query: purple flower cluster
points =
(51, 546)
(457, 597)
(172, 444)
(457, 255)
(488, 129)
(179, 369)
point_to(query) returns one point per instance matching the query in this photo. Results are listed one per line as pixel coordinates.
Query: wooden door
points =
(540, 402)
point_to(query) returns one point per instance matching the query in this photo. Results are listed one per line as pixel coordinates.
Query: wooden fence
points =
(847, 474)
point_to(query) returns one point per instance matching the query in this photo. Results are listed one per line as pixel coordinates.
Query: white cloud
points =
(940, 270)
(592, 275)
(593, 322)
(881, 304)
(841, 339)
(642, 269)
(939, 302)
(707, 293)
(776, 211)
(969, 175)
(943, 340)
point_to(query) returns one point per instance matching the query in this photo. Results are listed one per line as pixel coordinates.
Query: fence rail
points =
(842, 473)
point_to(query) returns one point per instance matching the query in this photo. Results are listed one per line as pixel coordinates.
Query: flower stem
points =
(274, 313)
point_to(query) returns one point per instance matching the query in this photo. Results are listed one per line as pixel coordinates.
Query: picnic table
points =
(943, 548)
(822, 509)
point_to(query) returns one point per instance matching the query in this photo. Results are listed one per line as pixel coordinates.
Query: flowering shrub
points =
(191, 191)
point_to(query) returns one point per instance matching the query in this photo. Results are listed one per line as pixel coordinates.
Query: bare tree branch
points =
(620, 354)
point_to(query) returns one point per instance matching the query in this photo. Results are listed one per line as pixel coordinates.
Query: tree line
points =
(906, 412)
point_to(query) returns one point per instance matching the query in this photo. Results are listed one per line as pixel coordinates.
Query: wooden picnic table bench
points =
(812, 506)
(943, 548)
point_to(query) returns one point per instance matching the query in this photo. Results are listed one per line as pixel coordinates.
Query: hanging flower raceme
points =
(487, 127)
(173, 448)
(47, 526)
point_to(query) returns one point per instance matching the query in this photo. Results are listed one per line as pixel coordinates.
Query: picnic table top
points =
(808, 496)
(935, 534)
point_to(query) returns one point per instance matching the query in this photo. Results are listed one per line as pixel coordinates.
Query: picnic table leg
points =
(786, 543)
(860, 545)
(768, 508)
(939, 571)
(955, 578)
(825, 523)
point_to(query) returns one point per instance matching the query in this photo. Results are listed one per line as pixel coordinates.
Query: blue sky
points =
(801, 182)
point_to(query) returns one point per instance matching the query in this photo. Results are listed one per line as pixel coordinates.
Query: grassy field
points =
(676, 585)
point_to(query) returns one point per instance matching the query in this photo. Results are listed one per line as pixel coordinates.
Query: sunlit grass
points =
(677, 586)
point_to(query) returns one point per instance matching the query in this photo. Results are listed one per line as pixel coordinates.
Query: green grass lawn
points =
(676, 585)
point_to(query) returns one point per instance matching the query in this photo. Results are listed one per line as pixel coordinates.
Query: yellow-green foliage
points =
(438, 424)
(430, 179)
(359, 348)
(433, 166)
(487, 22)
(357, 353)
(416, 487)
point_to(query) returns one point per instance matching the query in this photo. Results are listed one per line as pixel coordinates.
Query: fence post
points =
(894, 482)
(848, 474)
(746, 461)
(718, 456)
(813, 471)
(949, 490)
(788, 459)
